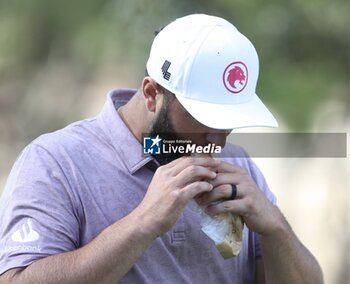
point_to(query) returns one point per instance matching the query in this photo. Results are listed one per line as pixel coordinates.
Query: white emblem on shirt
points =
(25, 234)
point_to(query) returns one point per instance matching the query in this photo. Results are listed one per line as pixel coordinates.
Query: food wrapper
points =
(225, 229)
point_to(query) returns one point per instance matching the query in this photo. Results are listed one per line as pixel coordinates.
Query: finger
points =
(227, 178)
(218, 193)
(180, 164)
(196, 188)
(235, 206)
(222, 192)
(224, 167)
(194, 173)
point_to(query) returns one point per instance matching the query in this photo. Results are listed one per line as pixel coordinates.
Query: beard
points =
(164, 127)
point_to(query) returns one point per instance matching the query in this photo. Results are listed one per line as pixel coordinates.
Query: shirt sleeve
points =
(37, 213)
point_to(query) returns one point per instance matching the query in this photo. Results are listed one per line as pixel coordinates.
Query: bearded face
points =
(175, 123)
(163, 125)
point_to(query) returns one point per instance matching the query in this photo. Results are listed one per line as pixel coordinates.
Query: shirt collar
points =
(119, 135)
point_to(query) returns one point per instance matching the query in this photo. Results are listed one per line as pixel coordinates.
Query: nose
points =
(217, 137)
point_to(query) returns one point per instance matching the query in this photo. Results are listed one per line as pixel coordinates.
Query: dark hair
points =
(158, 31)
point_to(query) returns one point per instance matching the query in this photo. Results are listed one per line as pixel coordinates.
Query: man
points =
(84, 205)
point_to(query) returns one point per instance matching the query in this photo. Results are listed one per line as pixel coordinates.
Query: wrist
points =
(145, 224)
(278, 228)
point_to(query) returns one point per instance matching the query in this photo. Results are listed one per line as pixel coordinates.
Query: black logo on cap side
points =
(165, 68)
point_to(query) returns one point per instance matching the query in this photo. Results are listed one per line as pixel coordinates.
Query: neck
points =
(133, 114)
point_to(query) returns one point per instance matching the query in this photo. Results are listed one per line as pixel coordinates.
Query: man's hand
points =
(259, 214)
(286, 260)
(173, 186)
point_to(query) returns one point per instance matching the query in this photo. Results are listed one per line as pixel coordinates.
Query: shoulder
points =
(71, 136)
(78, 141)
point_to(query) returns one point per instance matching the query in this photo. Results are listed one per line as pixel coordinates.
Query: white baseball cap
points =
(212, 69)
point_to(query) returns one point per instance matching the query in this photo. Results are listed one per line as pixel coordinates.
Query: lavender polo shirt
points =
(67, 186)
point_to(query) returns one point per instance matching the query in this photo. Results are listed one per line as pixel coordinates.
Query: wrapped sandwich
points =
(225, 229)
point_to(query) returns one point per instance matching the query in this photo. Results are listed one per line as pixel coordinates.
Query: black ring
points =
(233, 192)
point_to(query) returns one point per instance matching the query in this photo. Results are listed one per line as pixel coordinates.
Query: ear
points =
(150, 92)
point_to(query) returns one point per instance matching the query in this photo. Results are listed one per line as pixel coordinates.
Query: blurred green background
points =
(59, 58)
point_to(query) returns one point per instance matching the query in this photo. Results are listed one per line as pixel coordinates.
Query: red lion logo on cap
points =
(236, 74)
(236, 71)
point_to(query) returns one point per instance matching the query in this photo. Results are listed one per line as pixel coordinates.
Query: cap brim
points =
(229, 116)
